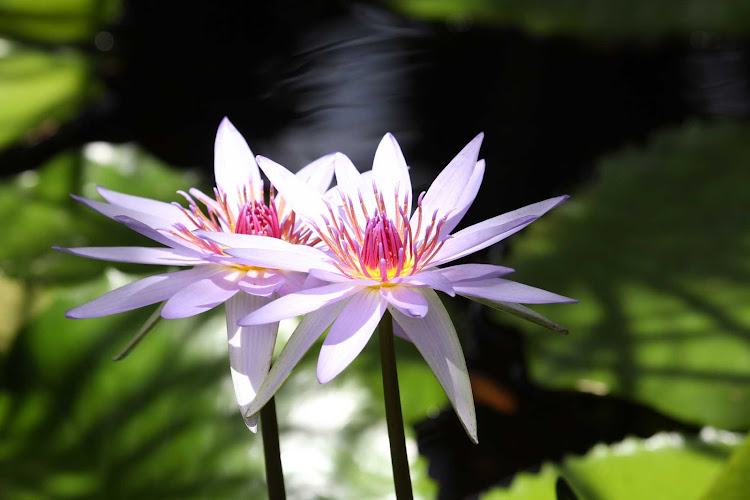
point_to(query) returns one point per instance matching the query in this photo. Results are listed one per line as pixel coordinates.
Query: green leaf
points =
(663, 467)
(44, 214)
(38, 90)
(613, 19)
(56, 21)
(733, 482)
(657, 250)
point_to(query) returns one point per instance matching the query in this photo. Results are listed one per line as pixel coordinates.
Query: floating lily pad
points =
(657, 249)
(666, 466)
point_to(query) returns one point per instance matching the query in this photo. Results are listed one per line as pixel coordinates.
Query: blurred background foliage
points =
(637, 109)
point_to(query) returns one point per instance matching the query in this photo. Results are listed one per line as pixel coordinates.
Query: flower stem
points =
(393, 416)
(269, 428)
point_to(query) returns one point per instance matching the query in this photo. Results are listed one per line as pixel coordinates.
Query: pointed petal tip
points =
(70, 314)
(323, 376)
(225, 124)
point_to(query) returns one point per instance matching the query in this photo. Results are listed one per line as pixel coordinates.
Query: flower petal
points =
(318, 174)
(262, 251)
(290, 260)
(353, 185)
(468, 272)
(165, 237)
(336, 277)
(500, 290)
(142, 292)
(437, 341)
(262, 282)
(522, 312)
(138, 255)
(433, 279)
(448, 187)
(259, 242)
(293, 282)
(350, 333)
(166, 211)
(407, 301)
(304, 200)
(484, 234)
(304, 336)
(234, 165)
(398, 330)
(296, 304)
(391, 175)
(467, 198)
(202, 295)
(250, 351)
(114, 211)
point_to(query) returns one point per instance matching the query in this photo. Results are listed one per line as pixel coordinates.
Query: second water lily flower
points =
(384, 257)
(238, 211)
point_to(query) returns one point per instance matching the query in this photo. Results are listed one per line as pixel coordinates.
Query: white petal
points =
(303, 199)
(113, 211)
(166, 211)
(433, 279)
(137, 255)
(163, 236)
(202, 295)
(466, 199)
(467, 272)
(405, 300)
(391, 175)
(141, 293)
(318, 174)
(262, 282)
(437, 341)
(398, 330)
(449, 186)
(290, 260)
(250, 351)
(307, 332)
(353, 185)
(350, 333)
(489, 232)
(500, 290)
(234, 165)
(296, 304)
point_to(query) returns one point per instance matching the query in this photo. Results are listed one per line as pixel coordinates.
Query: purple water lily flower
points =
(237, 210)
(383, 256)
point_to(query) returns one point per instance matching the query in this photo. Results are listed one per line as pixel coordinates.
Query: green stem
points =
(269, 428)
(393, 416)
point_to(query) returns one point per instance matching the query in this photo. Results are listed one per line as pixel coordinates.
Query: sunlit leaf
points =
(658, 252)
(733, 482)
(614, 19)
(666, 466)
(38, 91)
(55, 20)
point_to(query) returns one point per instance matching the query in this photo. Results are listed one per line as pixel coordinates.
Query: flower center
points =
(383, 248)
(254, 216)
(258, 218)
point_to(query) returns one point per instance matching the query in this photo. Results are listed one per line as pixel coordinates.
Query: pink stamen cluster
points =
(254, 217)
(384, 248)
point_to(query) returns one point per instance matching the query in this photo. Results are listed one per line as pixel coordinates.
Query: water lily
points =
(384, 257)
(238, 210)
